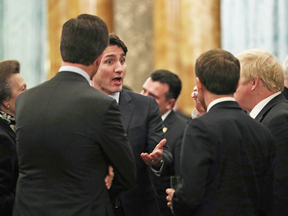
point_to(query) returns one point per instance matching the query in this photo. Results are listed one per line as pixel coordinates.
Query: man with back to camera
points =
(165, 87)
(259, 93)
(227, 157)
(68, 133)
(143, 125)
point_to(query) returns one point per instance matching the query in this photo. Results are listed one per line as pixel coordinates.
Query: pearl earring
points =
(8, 106)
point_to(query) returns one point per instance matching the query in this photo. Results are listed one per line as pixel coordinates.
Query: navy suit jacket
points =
(143, 125)
(174, 126)
(8, 168)
(226, 165)
(275, 116)
(67, 134)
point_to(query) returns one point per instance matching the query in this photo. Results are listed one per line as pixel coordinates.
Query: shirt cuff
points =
(158, 171)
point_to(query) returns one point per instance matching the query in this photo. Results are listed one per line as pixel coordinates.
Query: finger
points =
(169, 204)
(110, 171)
(147, 158)
(161, 144)
(156, 154)
(170, 190)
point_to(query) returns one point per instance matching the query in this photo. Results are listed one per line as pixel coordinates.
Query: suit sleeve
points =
(7, 176)
(116, 146)
(279, 127)
(196, 155)
(155, 134)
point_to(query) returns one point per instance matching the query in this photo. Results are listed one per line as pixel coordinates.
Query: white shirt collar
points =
(166, 114)
(75, 70)
(256, 110)
(115, 96)
(218, 100)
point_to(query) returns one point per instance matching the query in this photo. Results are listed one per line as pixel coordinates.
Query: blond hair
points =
(262, 64)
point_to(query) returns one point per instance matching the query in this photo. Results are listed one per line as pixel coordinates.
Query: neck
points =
(87, 69)
(258, 95)
(3, 108)
(209, 97)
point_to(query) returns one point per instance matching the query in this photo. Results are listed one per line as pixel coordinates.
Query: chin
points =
(119, 89)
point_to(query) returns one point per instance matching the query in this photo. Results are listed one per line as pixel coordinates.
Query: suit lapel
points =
(126, 108)
(168, 121)
(269, 106)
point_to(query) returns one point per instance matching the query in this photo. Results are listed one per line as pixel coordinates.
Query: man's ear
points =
(98, 60)
(199, 84)
(255, 83)
(171, 103)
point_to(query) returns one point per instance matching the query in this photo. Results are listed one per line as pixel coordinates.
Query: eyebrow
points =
(113, 55)
(153, 95)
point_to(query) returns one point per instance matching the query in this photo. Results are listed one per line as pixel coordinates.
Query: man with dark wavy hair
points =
(143, 125)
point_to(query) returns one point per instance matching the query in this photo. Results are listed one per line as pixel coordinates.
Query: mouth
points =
(117, 80)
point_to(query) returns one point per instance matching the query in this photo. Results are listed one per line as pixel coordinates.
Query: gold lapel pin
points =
(165, 129)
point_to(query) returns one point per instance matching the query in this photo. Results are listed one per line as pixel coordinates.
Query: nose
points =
(119, 68)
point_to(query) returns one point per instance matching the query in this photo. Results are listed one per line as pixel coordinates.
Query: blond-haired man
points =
(259, 93)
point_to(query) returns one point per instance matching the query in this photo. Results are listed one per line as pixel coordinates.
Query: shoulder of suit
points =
(137, 96)
(282, 105)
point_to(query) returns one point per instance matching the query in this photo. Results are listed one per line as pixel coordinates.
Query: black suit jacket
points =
(8, 168)
(67, 135)
(143, 125)
(285, 92)
(275, 116)
(174, 126)
(226, 165)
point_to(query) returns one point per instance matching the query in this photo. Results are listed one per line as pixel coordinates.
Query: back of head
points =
(285, 67)
(83, 39)
(114, 40)
(262, 64)
(219, 71)
(7, 68)
(169, 78)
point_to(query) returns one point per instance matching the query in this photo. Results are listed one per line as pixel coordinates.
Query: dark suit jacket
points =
(67, 135)
(174, 126)
(285, 92)
(226, 165)
(143, 125)
(275, 116)
(8, 168)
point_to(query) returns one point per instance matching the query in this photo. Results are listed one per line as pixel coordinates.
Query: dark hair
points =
(83, 39)
(115, 40)
(219, 71)
(173, 81)
(7, 68)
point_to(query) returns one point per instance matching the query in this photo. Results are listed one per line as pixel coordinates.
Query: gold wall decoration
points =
(183, 29)
(159, 34)
(59, 11)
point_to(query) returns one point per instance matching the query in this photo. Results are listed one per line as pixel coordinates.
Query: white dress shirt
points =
(256, 110)
(75, 70)
(219, 100)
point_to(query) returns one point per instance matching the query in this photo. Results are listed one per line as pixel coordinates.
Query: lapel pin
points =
(165, 129)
